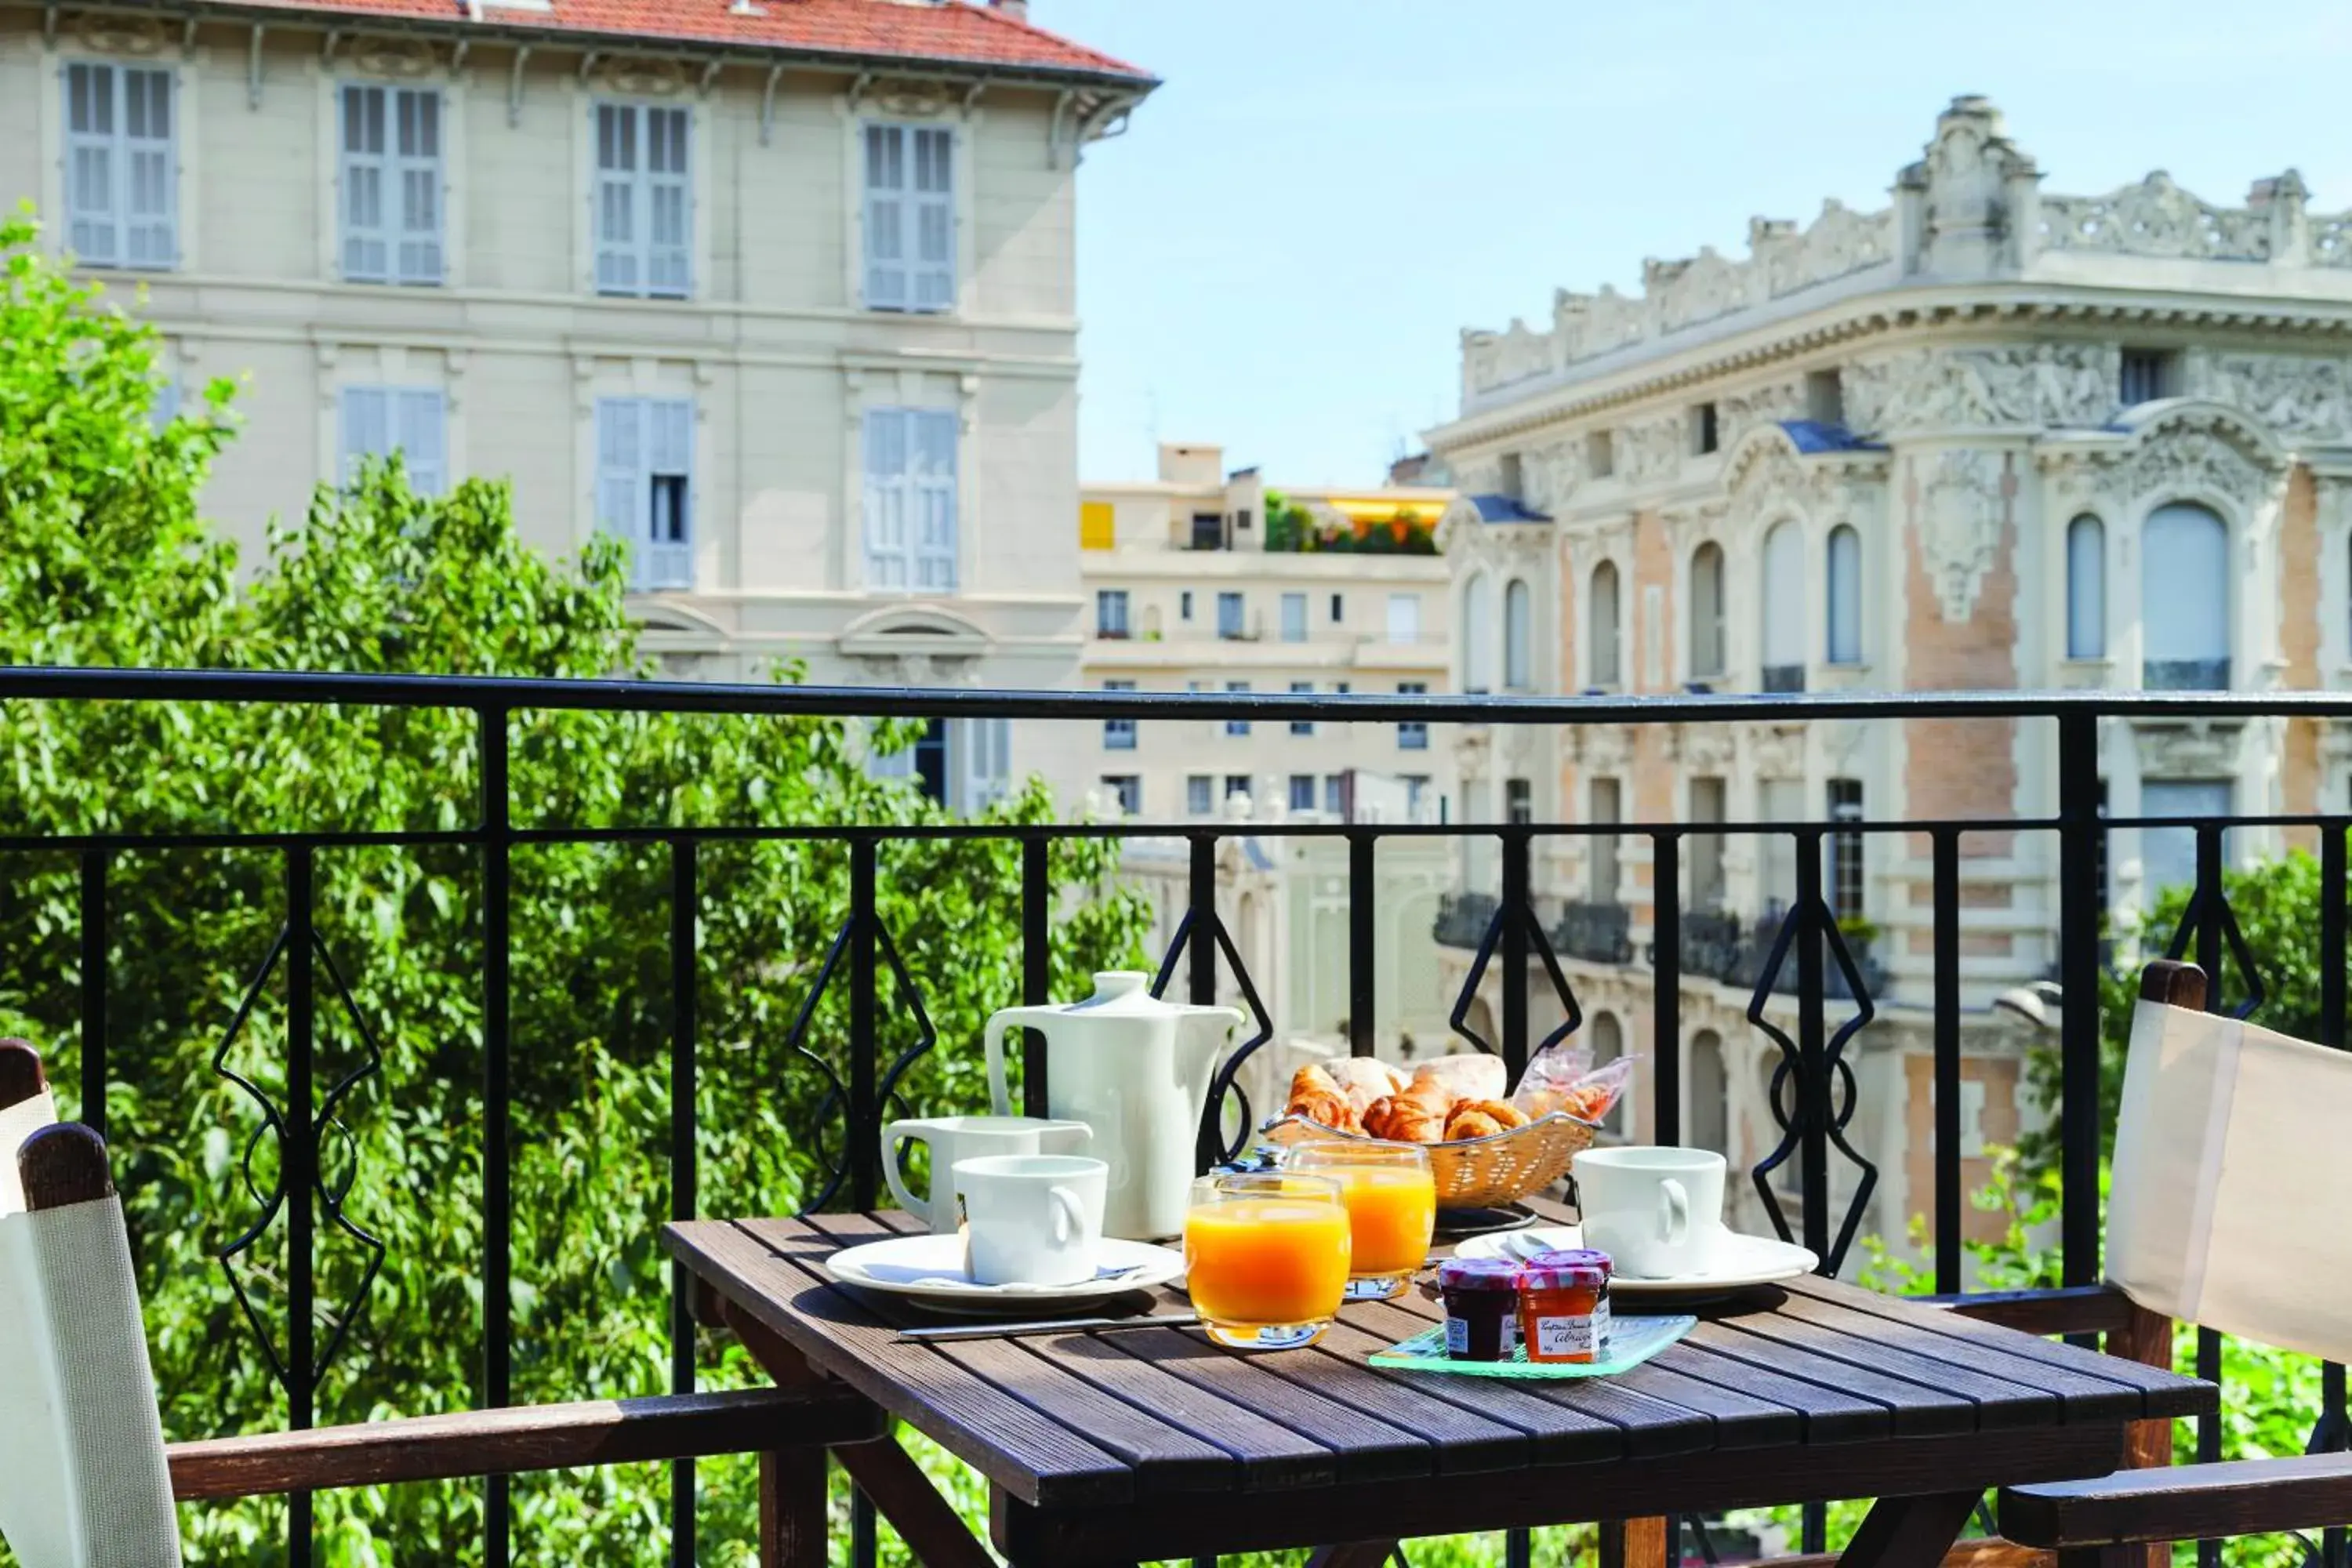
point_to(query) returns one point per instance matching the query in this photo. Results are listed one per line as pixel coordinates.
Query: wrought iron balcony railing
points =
(481, 846)
(1597, 933)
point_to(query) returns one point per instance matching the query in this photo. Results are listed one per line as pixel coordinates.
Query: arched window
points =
(1708, 1125)
(1602, 664)
(1518, 636)
(1707, 612)
(2087, 588)
(1477, 635)
(1845, 595)
(1608, 1045)
(1784, 608)
(2184, 600)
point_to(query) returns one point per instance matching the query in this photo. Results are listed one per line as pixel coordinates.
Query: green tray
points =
(1632, 1342)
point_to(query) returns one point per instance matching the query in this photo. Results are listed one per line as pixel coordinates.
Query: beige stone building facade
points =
(783, 295)
(1203, 581)
(1987, 437)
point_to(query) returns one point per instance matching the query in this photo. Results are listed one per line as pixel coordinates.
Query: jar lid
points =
(1566, 1268)
(1478, 1274)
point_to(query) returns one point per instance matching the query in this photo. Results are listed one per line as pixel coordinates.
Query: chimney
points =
(1016, 9)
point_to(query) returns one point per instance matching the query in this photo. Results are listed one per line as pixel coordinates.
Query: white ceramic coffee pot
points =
(1138, 1071)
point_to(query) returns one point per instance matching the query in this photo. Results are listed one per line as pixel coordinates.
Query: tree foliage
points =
(111, 562)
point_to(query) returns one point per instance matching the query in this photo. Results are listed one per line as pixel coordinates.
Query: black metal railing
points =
(1463, 919)
(1597, 933)
(1814, 1091)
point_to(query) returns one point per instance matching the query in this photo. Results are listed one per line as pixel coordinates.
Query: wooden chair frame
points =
(66, 1163)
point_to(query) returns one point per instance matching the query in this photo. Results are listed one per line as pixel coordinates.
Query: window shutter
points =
(669, 552)
(367, 244)
(934, 465)
(616, 200)
(419, 166)
(933, 214)
(668, 195)
(420, 431)
(886, 499)
(987, 746)
(621, 485)
(888, 276)
(150, 169)
(94, 217)
(367, 427)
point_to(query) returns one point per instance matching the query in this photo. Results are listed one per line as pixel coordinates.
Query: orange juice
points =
(1267, 1259)
(1391, 1215)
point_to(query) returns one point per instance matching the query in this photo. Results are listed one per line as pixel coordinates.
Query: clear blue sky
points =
(1280, 253)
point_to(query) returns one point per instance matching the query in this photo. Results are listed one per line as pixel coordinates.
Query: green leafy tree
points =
(110, 563)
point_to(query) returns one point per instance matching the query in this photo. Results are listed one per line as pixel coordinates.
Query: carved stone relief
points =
(1653, 448)
(2155, 218)
(2199, 749)
(108, 33)
(2293, 396)
(1776, 750)
(1931, 388)
(404, 59)
(1704, 749)
(644, 77)
(1602, 748)
(1742, 412)
(1959, 526)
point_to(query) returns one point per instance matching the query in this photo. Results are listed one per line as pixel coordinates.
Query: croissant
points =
(1403, 1119)
(1502, 1110)
(1471, 1123)
(1364, 1080)
(1317, 1097)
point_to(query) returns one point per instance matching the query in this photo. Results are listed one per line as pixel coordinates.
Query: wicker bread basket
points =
(1477, 1173)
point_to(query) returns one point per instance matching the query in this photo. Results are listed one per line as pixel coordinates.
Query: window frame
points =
(123, 230)
(654, 565)
(1604, 632)
(1302, 727)
(392, 168)
(1410, 620)
(642, 185)
(1518, 636)
(1237, 727)
(1119, 734)
(1707, 614)
(1413, 735)
(1841, 596)
(910, 298)
(2086, 599)
(1237, 628)
(1200, 795)
(428, 469)
(1290, 602)
(915, 568)
(1117, 627)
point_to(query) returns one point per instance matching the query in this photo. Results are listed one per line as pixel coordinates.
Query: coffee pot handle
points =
(993, 1041)
(894, 1137)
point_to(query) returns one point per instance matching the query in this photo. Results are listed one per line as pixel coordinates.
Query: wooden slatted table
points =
(1150, 1443)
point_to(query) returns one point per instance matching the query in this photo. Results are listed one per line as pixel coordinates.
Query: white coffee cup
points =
(1036, 1219)
(1657, 1212)
(954, 1138)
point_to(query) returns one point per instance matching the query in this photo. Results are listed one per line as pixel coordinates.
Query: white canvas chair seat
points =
(83, 1481)
(2232, 1168)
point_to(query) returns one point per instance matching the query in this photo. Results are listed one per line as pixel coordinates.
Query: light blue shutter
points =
(419, 429)
(621, 485)
(934, 465)
(1845, 595)
(887, 508)
(668, 204)
(150, 168)
(367, 242)
(2087, 588)
(668, 552)
(888, 276)
(987, 747)
(366, 427)
(416, 162)
(617, 240)
(94, 215)
(932, 210)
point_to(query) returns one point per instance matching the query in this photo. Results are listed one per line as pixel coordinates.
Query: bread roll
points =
(1364, 1080)
(1474, 1076)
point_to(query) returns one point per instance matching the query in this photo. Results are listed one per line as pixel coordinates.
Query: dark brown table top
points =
(1814, 1391)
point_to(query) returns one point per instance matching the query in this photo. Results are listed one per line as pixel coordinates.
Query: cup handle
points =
(893, 1136)
(1070, 1214)
(1674, 1211)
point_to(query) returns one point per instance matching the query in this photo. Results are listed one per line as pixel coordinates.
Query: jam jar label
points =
(1560, 1337)
(1457, 1337)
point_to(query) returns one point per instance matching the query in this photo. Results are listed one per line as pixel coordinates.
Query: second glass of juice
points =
(1266, 1255)
(1391, 1195)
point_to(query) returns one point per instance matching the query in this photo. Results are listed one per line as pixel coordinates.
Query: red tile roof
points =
(944, 32)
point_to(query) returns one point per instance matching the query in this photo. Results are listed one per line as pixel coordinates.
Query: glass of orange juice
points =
(1391, 1195)
(1265, 1255)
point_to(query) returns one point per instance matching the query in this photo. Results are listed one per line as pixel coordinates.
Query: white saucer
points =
(930, 1269)
(1744, 1261)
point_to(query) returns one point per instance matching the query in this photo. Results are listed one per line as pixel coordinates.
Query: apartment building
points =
(1201, 580)
(780, 294)
(1988, 435)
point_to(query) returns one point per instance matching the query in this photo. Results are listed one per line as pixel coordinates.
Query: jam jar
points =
(1564, 1306)
(1482, 1297)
